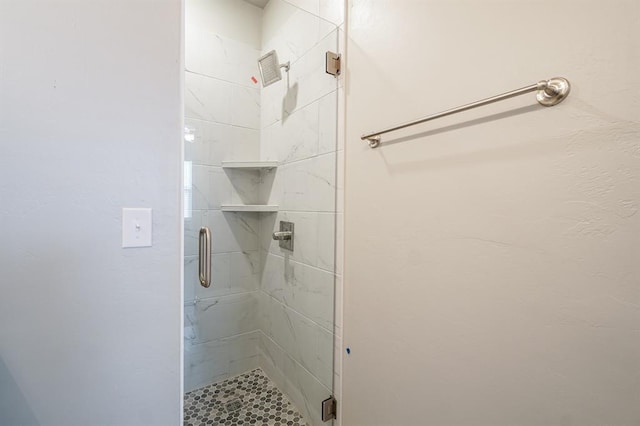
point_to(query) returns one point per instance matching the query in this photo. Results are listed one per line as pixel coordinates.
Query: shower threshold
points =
(248, 399)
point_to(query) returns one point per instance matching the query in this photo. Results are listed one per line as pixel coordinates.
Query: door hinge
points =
(333, 63)
(329, 409)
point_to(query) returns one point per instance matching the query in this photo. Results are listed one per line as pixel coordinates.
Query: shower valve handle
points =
(285, 235)
(282, 235)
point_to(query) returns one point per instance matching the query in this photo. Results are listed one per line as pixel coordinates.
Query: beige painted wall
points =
(492, 273)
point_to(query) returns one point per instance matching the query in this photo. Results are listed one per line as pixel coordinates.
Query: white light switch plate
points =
(136, 227)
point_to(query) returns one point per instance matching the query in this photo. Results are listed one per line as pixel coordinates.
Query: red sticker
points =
(255, 80)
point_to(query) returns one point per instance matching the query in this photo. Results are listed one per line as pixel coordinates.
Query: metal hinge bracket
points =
(333, 63)
(329, 409)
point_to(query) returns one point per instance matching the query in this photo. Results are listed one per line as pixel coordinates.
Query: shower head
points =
(270, 68)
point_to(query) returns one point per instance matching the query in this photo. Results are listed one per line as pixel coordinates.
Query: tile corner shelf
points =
(251, 165)
(249, 208)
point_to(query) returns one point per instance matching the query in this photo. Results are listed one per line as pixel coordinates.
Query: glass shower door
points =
(257, 157)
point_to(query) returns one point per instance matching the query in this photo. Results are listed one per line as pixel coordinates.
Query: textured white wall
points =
(90, 112)
(492, 257)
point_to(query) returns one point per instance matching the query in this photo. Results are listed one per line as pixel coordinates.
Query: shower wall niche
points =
(267, 308)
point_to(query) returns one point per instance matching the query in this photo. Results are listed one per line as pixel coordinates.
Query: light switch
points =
(136, 227)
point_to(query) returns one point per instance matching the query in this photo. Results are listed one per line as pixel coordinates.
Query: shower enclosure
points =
(260, 335)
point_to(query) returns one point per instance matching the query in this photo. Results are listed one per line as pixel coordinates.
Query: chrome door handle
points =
(204, 253)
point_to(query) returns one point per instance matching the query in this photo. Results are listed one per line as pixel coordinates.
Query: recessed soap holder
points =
(285, 235)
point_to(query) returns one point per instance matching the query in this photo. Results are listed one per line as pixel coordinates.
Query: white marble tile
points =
(190, 278)
(219, 359)
(271, 101)
(332, 11)
(273, 321)
(328, 123)
(324, 358)
(341, 120)
(220, 57)
(267, 187)
(322, 183)
(231, 273)
(245, 270)
(232, 232)
(329, 10)
(306, 82)
(208, 143)
(270, 140)
(243, 144)
(220, 278)
(300, 339)
(312, 293)
(207, 98)
(310, 184)
(339, 269)
(299, 118)
(273, 280)
(337, 375)
(338, 310)
(245, 185)
(342, 43)
(304, 390)
(326, 241)
(201, 187)
(272, 187)
(294, 186)
(309, 71)
(243, 365)
(268, 223)
(299, 134)
(300, 386)
(311, 6)
(271, 359)
(245, 107)
(305, 241)
(220, 317)
(307, 290)
(210, 187)
(191, 229)
(291, 30)
(293, 33)
(340, 170)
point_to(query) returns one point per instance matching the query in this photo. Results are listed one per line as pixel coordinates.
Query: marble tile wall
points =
(267, 307)
(299, 320)
(222, 122)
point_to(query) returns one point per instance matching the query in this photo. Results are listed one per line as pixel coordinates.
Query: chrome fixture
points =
(282, 235)
(329, 409)
(204, 260)
(270, 68)
(550, 92)
(285, 235)
(332, 63)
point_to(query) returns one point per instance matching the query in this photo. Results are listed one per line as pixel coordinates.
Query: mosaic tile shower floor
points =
(248, 399)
